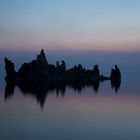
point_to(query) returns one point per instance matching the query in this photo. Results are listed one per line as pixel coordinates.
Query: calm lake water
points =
(68, 113)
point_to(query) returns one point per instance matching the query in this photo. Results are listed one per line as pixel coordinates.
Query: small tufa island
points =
(39, 70)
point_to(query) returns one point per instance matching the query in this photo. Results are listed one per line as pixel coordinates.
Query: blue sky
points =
(106, 25)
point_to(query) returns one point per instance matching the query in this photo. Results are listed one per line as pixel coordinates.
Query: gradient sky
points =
(107, 25)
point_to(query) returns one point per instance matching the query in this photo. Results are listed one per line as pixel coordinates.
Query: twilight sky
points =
(107, 25)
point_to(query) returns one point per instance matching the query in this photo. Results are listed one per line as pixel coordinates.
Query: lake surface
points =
(71, 113)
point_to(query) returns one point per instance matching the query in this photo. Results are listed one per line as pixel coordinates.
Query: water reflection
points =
(115, 84)
(40, 90)
(9, 89)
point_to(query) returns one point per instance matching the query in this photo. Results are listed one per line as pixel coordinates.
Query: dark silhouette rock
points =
(115, 78)
(39, 70)
(10, 70)
(38, 78)
(76, 73)
(115, 73)
(96, 71)
(52, 70)
(60, 69)
(79, 73)
(42, 65)
(35, 70)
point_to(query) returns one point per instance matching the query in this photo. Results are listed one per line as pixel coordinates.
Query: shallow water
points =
(71, 113)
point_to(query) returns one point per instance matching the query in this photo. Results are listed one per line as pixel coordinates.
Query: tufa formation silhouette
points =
(115, 78)
(40, 70)
(38, 78)
(10, 70)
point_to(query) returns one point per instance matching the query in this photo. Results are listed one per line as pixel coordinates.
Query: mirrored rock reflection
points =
(40, 90)
(115, 84)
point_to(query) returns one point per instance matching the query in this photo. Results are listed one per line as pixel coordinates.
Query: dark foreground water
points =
(71, 113)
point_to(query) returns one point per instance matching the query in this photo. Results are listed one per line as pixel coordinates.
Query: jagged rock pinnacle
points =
(42, 53)
(41, 58)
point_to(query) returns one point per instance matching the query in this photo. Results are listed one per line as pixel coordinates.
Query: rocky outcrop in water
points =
(10, 69)
(40, 70)
(115, 73)
(35, 70)
(38, 78)
(115, 78)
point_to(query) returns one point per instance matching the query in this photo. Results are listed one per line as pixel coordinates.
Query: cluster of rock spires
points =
(40, 70)
(38, 77)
